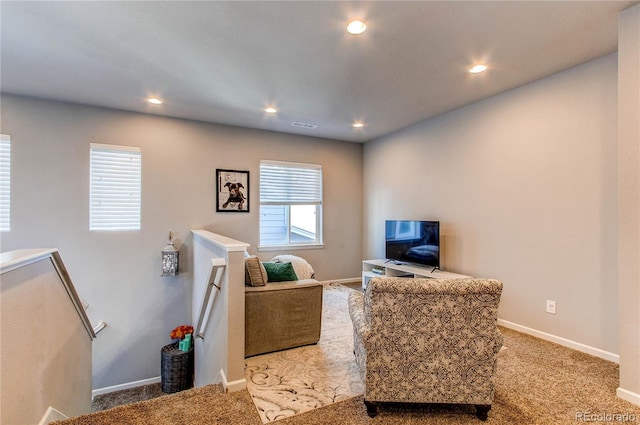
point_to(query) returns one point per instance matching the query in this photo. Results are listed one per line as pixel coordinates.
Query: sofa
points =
(281, 314)
(427, 341)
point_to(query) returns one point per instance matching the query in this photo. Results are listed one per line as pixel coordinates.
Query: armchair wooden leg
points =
(482, 411)
(372, 408)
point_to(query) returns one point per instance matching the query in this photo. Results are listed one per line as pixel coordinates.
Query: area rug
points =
(295, 381)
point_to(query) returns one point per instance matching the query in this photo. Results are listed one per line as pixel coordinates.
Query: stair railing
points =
(216, 272)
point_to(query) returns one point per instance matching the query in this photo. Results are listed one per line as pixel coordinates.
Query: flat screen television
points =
(413, 241)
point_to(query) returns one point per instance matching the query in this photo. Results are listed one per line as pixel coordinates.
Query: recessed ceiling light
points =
(357, 124)
(270, 110)
(356, 27)
(154, 100)
(476, 69)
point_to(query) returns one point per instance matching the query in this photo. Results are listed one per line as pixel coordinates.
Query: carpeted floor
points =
(538, 382)
(131, 395)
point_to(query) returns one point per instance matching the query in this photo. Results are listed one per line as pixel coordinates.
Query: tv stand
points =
(383, 267)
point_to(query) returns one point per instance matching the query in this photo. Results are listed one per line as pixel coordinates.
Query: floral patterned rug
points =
(290, 382)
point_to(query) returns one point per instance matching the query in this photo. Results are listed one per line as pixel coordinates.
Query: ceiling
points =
(224, 62)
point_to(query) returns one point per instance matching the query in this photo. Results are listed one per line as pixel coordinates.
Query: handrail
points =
(216, 272)
(19, 258)
(71, 291)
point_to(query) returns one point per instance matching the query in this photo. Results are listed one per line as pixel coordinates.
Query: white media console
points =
(391, 268)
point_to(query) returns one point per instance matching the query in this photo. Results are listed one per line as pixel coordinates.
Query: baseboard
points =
(232, 386)
(341, 281)
(125, 386)
(606, 355)
(628, 396)
(52, 415)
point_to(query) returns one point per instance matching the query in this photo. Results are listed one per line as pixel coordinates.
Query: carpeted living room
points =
(457, 179)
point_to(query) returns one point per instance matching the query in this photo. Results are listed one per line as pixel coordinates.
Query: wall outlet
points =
(551, 307)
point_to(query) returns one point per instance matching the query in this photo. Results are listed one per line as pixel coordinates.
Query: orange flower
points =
(181, 331)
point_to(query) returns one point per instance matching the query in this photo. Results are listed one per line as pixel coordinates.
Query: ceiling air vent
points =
(303, 125)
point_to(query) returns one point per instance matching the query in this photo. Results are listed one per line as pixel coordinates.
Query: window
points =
(5, 183)
(290, 204)
(116, 187)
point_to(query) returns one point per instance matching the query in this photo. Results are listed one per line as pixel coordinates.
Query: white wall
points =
(629, 202)
(46, 349)
(524, 185)
(118, 274)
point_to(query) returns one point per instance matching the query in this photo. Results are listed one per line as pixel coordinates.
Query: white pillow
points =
(302, 268)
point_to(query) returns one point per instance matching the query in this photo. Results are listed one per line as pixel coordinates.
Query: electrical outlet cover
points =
(551, 307)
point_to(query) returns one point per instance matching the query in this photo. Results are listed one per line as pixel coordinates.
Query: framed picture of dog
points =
(232, 191)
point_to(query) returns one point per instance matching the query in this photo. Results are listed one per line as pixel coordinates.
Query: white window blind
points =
(5, 183)
(290, 204)
(116, 187)
(290, 183)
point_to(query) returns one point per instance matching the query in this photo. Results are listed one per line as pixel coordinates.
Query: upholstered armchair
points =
(427, 341)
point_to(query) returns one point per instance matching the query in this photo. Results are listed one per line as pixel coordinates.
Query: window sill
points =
(290, 247)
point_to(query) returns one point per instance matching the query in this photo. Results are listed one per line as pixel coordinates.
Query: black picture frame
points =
(232, 191)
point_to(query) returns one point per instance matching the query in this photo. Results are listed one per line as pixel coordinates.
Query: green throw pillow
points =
(280, 272)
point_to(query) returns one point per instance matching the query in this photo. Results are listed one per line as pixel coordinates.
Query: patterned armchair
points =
(427, 341)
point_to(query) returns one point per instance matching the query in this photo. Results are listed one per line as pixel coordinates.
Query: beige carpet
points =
(537, 383)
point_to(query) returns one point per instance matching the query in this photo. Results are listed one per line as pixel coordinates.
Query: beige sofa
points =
(427, 341)
(282, 315)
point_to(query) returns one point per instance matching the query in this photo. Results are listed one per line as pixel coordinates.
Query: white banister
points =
(215, 279)
(218, 315)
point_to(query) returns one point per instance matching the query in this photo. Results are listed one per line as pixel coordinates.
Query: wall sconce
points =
(169, 258)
